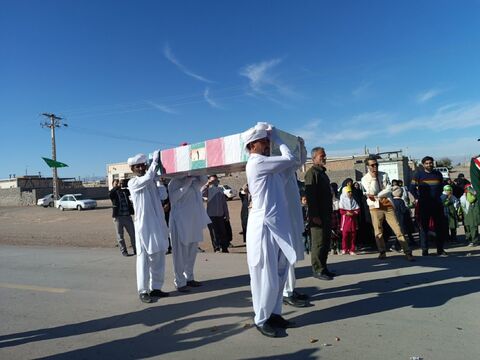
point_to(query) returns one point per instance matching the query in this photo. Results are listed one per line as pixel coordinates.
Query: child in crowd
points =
(335, 244)
(402, 212)
(471, 214)
(349, 209)
(307, 242)
(451, 209)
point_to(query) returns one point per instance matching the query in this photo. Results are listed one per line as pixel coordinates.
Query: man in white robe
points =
(188, 218)
(270, 244)
(290, 295)
(151, 232)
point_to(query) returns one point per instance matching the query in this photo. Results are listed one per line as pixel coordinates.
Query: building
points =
(26, 190)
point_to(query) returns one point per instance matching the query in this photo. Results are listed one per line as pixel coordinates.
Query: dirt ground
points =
(35, 225)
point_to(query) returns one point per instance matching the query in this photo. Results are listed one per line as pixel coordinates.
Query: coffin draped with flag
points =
(221, 155)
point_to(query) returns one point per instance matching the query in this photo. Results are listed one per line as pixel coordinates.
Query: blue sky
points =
(132, 76)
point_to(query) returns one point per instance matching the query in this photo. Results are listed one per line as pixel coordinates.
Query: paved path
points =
(80, 303)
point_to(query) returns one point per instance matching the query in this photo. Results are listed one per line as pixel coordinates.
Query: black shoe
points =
(159, 293)
(278, 321)
(125, 253)
(290, 300)
(424, 252)
(145, 298)
(322, 276)
(225, 251)
(183, 289)
(193, 283)
(329, 273)
(267, 330)
(299, 296)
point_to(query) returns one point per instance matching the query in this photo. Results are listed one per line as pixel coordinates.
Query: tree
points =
(446, 162)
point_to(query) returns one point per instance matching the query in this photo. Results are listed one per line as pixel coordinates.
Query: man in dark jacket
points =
(122, 210)
(319, 199)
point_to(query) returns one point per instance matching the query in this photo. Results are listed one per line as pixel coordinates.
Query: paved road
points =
(80, 303)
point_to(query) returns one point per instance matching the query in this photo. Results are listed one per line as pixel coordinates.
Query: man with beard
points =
(270, 244)
(320, 207)
(151, 232)
(427, 187)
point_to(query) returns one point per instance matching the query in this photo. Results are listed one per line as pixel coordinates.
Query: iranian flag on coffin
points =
(214, 156)
(475, 173)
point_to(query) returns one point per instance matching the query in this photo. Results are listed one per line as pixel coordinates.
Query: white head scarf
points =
(137, 159)
(347, 203)
(257, 132)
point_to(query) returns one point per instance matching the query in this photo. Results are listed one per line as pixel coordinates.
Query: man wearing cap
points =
(188, 218)
(151, 230)
(427, 187)
(270, 245)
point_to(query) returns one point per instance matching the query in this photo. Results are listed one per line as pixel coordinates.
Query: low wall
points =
(16, 197)
(22, 197)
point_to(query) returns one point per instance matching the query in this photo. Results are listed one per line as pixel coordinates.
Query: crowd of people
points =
(278, 228)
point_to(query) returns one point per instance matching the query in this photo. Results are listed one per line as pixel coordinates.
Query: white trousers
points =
(290, 283)
(184, 256)
(267, 280)
(150, 271)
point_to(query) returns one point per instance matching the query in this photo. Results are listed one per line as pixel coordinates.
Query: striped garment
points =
(427, 186)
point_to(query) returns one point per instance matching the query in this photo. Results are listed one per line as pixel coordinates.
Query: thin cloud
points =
(371, 118)
(162, 107)
(449, 117)
(427, 95)
(263, 81)
(167, 52)
(209, 100)
(363, 90)
(446, 118)
(315, 131)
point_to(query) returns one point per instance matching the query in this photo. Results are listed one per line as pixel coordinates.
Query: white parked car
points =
(46, 201)
(444, 171)
(75, 201)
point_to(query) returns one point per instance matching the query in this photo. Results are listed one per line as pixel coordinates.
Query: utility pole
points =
(54, 122)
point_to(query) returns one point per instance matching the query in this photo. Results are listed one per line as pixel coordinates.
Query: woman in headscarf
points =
(350, 210)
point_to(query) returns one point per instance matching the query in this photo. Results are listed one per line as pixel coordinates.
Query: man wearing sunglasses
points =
(378, 191)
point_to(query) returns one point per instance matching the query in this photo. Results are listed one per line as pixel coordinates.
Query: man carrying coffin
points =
(151, 232)
(188, 218)
(270, 244)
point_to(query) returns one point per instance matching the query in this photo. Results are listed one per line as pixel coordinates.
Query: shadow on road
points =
(168, 325)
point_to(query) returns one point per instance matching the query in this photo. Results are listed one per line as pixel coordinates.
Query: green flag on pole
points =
(53, 163)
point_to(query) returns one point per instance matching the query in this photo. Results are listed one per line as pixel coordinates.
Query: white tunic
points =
(188, 216)
(295, 210)
(151, 230)
(269, 212)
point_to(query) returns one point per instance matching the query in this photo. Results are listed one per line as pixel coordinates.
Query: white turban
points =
(137, 159)
(257, 132)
